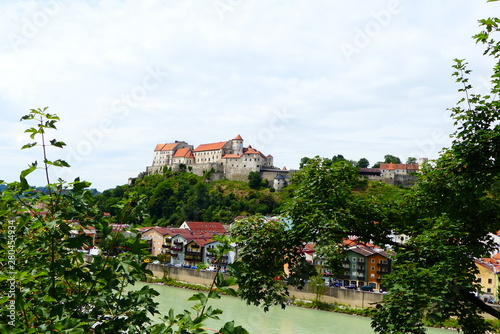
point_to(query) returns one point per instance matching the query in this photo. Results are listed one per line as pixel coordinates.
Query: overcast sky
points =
(294, 78)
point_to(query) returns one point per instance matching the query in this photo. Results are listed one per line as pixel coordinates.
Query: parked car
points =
(337, 285)
(367, 288)
(156, 262)
(351, 287)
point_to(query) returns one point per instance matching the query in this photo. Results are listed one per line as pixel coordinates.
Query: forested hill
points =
(176, 197)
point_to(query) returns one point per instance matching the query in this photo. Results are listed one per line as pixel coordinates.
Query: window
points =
(372, 268)
(372, 275)
(490, 281)
(488, 290)
(353, 266)
(361, 260)
(373, 260)
(479, 280)
(353, 259)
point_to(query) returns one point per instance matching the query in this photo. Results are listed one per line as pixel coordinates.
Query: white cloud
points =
(235, 69)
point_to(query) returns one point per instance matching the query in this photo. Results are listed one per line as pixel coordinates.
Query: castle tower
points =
(237, 145)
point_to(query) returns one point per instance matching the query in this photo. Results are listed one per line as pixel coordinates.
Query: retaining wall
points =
(331, 295)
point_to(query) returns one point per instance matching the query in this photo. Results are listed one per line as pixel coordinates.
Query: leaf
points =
(28, 146)
(29, 170)
(56, 143)
(199, 296)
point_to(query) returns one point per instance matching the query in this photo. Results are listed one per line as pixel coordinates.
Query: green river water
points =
(292, 320)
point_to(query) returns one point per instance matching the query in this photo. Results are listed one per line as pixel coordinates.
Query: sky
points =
(294, 78)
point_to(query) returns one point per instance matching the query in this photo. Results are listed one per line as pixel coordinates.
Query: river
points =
(292, 320)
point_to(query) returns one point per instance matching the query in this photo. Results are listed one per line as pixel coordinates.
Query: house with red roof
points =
(204, 227)
(226, 159)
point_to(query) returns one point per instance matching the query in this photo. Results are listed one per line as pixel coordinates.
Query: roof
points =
(166, 147)
(211, 227)
(184, 153)
(367, 251)
(238, 137)
(232, 156)
(210, 147)
(399, 166)
(201, 241)
(251, 150)
(486, 263)
(369, 171)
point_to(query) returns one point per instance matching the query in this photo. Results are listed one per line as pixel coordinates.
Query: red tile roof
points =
(212, 227)
(166, 147)
(201, 241)
(238, 137)
(232, 156)
(399, 166)
(210, 147)
(184, 152)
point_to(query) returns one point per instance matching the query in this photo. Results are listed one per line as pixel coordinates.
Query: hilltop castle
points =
(227, 159)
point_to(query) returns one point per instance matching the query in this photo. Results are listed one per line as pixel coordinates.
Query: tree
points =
(255, 180)
(303, 162)
(51, 286)
(411, 160)
(337, 158)
(391, 159)
(363, 163)
(447, 216)
(451, 203)
(318, 286)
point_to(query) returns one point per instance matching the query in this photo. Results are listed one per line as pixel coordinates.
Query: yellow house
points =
(155, 237)
(487, 276)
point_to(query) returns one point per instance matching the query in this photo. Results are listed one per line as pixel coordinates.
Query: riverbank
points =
(337, 300)
(332, 295)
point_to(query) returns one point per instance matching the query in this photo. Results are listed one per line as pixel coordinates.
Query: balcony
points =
(193, 253)
(361, 278)
(166, 246)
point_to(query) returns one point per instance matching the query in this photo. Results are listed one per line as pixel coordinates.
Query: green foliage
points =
(51, 285)
(255, 180)
(266, 248)
(448, 215)
(363, 163)
(388, 158)
(317, 285)
(192, 322)
(177, 197)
